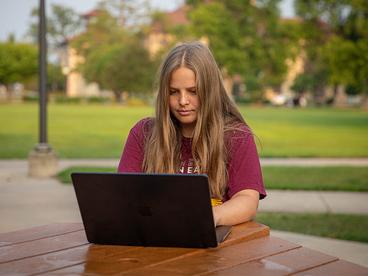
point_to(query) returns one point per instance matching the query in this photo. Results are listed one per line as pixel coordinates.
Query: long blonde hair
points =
(216, 114)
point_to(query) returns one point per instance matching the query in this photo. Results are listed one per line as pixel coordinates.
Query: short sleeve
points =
(244, 170)
(132, 157)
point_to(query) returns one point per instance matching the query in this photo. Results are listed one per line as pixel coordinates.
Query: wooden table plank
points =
(38, 232)
(62, 249)
(18, 257)
(204, 260)
(41, 246)
(46, 262)
(64, 258)
(155, 255)
(245, 232)
(339, 267)
(284, 263)
(127, 260)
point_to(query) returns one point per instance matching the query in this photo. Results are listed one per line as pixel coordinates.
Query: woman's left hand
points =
(215, 215)
(240, 208)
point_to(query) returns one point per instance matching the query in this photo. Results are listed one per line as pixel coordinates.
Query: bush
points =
(65, 99)
(243, 100)
(96, 99)
(136, 102)
(31, 98)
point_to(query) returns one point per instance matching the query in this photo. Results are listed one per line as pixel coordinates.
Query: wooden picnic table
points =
(249, 250)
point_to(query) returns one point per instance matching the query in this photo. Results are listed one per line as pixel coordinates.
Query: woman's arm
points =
(132, 157)
(240, 208)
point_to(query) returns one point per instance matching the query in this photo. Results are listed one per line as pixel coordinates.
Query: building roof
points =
(172, 19)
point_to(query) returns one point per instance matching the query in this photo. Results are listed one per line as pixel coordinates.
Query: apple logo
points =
(145, 211)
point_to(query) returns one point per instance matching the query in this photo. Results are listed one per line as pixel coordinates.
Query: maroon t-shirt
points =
(244, 170)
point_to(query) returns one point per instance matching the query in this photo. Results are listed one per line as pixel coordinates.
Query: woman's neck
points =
(187, 131)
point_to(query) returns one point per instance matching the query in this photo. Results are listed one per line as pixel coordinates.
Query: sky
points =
(15, 14)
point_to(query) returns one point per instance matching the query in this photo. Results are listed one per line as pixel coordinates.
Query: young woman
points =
(198, 129)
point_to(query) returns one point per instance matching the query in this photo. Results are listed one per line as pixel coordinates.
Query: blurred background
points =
(298, 71)
(283, 53)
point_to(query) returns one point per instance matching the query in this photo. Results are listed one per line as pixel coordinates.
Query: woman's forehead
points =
(183, 77)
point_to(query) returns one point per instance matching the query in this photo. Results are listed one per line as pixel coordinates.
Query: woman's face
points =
(184, 101)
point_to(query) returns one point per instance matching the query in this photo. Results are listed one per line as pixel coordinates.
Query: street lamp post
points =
(42, 159)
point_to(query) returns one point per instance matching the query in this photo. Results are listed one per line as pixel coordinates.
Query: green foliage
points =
(56, 80)
(62, 99)
(31, 98)
(336, 39)
(215, 22)
(11, 38)
(310, 81)
(114, 58)
(246, 39)
(98, 100)
(338, 178)
(120, 68)
(347, 61)
(102, 31)
(18, 62)
(336, 226)
(62, 24)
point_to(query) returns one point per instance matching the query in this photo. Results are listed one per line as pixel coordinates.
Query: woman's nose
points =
(183, 100)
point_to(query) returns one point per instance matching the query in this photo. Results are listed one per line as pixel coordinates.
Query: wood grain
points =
(114, 262)
(284, 263)
(337, 268)
(39, 232)
(218, 258)
(62, 249)
(41, 246)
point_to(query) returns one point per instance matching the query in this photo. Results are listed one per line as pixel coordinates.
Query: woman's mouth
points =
(184, 112)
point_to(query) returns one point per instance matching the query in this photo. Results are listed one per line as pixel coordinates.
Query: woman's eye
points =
(172, 92)
(193, 91)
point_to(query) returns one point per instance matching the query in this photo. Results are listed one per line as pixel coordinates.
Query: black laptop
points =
(147, 209)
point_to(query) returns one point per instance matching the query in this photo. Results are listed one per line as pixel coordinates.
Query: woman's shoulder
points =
(237, 130)
(143, 127)
(239, 140)
(143, 123)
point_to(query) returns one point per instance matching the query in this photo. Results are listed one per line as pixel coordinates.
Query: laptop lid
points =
(147, 209)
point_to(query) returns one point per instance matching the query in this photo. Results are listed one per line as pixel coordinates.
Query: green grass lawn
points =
(64, 176)
(338, 178)
(314, 178)
(336, 226)
(99, 131)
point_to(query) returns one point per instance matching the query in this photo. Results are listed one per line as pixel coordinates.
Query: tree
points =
(18, 63)
(55, 78)
(121, 68)
(102, 31)
(114, 57)
(130, 14)
(247, 39)
(347, 61)
(62, 24)
(336, 35)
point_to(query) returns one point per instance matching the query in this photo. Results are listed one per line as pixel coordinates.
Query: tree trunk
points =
(341, 99)
(8, 92)
(118, 97)
(365, 102)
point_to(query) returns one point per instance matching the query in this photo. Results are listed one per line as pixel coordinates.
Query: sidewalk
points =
(27, 202)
